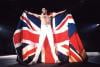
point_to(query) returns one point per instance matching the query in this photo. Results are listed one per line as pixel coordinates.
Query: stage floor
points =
(93, 61)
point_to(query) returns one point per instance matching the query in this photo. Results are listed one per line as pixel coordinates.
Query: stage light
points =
(98, 25)
(8, 57)
(93, 53)
(4, 31)
(90, 27)
(0, 28)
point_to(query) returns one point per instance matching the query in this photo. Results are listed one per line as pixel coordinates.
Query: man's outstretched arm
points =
(34, 14)
(58, 13)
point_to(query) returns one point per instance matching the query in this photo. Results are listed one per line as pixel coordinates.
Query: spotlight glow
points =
(98, 25)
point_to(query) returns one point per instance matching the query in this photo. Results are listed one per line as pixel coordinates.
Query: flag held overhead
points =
(53, 43)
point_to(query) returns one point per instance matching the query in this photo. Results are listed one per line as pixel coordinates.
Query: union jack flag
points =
(62, 44)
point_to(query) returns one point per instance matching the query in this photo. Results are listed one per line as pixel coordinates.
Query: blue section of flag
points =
(59, 18)
(71, 29)
(21, 24)
(30, 58)
(34, 19)
(19, 52)
(62, 57)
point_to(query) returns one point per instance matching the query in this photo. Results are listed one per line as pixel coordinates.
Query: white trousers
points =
(46, 31)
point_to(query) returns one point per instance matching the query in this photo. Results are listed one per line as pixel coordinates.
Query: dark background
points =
(86, 14)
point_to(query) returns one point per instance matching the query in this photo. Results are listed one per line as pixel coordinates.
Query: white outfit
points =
(46, 31)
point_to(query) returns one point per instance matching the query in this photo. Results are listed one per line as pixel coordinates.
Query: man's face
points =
(44, 11)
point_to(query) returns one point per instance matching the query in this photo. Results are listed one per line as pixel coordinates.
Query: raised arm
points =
(34, 14)
(58, 12)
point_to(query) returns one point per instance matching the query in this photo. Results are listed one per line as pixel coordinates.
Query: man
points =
(46, 31)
